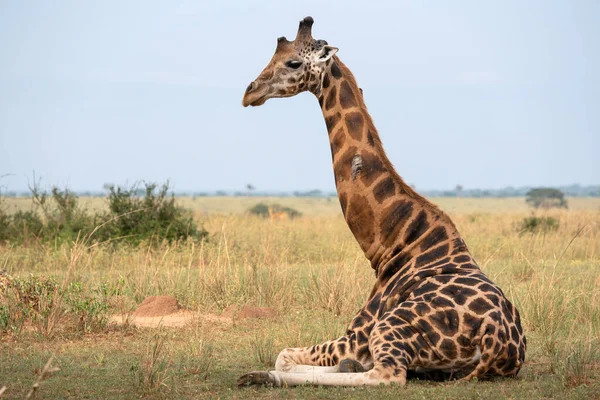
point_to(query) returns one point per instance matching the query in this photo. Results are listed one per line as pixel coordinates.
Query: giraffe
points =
(431, 307)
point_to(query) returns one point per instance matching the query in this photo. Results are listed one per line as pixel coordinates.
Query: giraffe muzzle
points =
(253, 96)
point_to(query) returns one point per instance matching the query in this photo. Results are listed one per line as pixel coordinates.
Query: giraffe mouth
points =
(258, 101)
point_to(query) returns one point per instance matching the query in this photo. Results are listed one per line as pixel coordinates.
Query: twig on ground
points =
(46, 371)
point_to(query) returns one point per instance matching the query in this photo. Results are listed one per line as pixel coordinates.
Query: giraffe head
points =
(296, 67)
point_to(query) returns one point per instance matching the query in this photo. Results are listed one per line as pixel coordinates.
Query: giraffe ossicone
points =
(431, 307)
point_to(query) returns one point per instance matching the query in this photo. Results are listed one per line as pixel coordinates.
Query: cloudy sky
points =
(485, 94)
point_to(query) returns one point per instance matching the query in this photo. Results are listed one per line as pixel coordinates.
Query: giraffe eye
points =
(293, 64)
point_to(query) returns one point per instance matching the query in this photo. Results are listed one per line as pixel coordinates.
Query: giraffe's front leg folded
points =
(345, 354)
(350, 365)
(299, 361)
(376, 376)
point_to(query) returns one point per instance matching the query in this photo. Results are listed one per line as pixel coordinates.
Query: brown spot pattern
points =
(372, 167)
(326, 81)
(335, 71)
(393, 218)
(343, 166)
(355, 123)
(347, 99)
(360, 220)
(332, 120)
(331, 99)
(384, 189)
(337, 142)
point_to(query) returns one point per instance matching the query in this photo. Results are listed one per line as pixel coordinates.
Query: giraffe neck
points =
(386, 216)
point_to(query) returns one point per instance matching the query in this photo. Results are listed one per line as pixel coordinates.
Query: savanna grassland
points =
(313, 274)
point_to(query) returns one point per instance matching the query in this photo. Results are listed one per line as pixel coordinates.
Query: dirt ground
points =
(165, 311)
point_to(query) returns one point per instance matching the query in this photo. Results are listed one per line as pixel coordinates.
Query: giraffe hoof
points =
(349, 365)
(255, 378)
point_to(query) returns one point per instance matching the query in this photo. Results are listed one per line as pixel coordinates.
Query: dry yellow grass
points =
(205, 206)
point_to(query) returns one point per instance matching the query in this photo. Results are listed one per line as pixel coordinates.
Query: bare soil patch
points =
(156, 311)
(249, 312)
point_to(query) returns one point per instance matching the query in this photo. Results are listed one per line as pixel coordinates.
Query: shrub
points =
(535, 224)
(154, 215)
(42, 303)
(55, 217)
(546, 198)
(35, 300)
(134, 216)
(90, 311)
(63, 220)
(5, 224)
(20, 227)
(266, 211)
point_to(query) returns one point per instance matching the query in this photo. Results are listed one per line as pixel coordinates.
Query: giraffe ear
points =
(326, 53)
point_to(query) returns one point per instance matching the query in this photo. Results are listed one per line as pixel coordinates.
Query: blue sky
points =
(485, 94)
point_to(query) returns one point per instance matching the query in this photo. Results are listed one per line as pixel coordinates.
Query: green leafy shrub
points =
(35, 300)
(546, 198)
(55, 217)
(153, 216)
(25, 224)
(34, 292)
(90, 311)
(535, 224)
(42, 303)
(134, 215)
(5, 224)
(265, 210)
(63, 219)
(4, 318)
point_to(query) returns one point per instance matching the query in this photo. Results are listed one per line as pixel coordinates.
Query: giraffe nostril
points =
(250, 87)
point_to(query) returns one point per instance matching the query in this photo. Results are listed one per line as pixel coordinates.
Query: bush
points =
(134, 216)
(20, 227)
(30, 300)
(266, 211)
(41, 302)
(55, 217)
(154, 216)
(535, 224)
(546, 198)
(91, 312)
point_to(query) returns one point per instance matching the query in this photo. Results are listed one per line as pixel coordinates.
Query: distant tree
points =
(310, 193)
(250, 189)
(458, 189)
(546, 198)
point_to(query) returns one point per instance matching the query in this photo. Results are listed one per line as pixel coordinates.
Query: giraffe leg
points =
(391, 360)
(374, 377)
(350, 365)
(326, 357)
